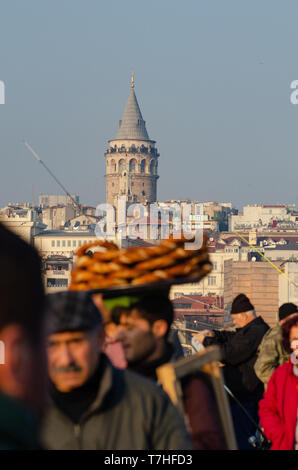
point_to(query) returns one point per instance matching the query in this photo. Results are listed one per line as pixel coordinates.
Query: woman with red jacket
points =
(278, 410)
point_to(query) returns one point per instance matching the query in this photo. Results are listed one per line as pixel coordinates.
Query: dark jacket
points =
(18, 427)
(128, 413)
(239, 353)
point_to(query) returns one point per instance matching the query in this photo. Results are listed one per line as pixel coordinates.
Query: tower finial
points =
(132, 80)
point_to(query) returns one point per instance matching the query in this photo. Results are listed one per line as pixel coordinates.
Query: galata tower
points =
(131, 159)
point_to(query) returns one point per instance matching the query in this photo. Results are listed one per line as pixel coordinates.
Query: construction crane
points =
(36, 156)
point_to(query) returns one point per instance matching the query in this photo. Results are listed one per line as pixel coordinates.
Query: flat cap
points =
(71, 311)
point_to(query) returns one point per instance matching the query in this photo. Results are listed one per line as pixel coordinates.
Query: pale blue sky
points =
(212, 80)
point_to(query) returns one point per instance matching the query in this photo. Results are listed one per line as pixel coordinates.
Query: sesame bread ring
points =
(161, 273)
(126, 273)
(158, 250)
(133, 255)
(156, 263)
(105, 283)
(179, 270)
(79, 286)
(201, 271)
(145, 279)
(83, 262)
(181, 253)
(104, 268)
(81, 275)
(108, 255)
(199, 258)
(98, 243)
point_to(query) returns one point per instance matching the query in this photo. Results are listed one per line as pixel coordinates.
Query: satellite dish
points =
(76, 225)
(67, 224)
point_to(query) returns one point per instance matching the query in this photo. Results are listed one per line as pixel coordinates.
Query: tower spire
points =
(132, 80)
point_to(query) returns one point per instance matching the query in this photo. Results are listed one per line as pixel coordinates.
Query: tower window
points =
(132, 165)
(113, 165)
(143, 163)
(122, 165)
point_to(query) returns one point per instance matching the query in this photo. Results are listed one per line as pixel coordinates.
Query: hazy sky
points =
(212, 78)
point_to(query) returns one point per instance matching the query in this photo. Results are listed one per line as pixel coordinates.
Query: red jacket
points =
(278, 408)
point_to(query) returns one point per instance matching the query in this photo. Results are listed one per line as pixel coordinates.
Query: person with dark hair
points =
(148, 343)
(271, 352)
(239, 353)
(279, 407)
(94, 405)
(22, 365)
(144, 331)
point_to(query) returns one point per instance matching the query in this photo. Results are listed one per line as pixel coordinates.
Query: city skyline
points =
(212, 81)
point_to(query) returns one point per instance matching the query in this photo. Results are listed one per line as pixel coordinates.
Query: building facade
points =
(259, 281)
(62, 242)
(22, 220)
(50, 200)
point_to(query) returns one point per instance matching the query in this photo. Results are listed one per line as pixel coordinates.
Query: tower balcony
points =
(142, 150)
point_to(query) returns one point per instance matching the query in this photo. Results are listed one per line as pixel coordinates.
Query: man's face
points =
(239, 319)
(73, 357)
(138, 340)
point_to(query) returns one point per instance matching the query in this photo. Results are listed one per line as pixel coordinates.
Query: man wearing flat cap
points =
(239, 353)
(93, 405)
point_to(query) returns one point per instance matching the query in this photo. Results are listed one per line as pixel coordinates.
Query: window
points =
(214, 265)
(211, 280)
(68, 243)
(74, 243)
(52, 282)
(113, 165)
(132, 165)
(58, 243)
(122, 165)
(53, 243)
(63, 242)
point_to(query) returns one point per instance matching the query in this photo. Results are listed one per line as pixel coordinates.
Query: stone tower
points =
(131, 159)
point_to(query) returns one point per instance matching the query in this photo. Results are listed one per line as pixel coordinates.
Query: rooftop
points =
(132, 126)
(66, 233)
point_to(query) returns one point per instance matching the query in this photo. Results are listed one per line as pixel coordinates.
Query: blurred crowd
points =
(80, 370)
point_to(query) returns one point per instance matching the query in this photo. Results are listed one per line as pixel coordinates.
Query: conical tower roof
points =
(132, 125)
